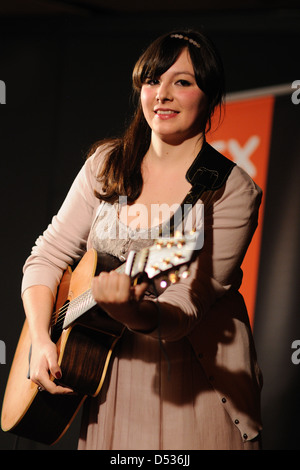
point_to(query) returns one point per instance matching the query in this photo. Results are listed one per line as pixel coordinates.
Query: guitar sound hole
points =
(59, 321)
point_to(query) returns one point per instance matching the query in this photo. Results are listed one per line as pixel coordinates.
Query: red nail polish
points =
(58, 375)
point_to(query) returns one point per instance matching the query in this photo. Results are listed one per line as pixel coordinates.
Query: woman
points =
(184, 375)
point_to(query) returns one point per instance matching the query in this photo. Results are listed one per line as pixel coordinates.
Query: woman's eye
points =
(152, 81)
(184, 82)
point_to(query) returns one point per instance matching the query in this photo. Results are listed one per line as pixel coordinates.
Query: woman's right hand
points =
(44, 367)
(38, 305)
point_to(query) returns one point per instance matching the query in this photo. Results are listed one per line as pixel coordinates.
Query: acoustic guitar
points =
(85, 337)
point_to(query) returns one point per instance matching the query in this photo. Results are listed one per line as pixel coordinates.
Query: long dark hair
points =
(120, 175)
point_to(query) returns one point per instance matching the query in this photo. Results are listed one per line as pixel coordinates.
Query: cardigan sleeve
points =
(64, 240)
(230, 220)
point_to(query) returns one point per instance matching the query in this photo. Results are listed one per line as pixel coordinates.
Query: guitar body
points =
(85, 337)
(84, 351)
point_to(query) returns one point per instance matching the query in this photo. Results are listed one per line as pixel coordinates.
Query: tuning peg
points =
(178, 234)
(153, 270)
(185, 274)
(173, 278)
(154, 267)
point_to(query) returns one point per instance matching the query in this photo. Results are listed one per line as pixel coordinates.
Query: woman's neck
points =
(182, 154)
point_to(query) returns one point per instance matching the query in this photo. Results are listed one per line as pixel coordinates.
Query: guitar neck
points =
(77, 307)
(81, 304)
(165, 254)
(84, 302)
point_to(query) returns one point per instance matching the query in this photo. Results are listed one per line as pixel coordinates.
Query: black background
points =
(68, 83)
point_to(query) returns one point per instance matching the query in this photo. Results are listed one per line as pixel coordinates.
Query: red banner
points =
(244, 136)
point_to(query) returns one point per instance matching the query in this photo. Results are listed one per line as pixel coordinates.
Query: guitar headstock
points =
(166, 254)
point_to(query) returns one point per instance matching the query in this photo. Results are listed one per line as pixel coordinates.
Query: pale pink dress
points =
(194, 383)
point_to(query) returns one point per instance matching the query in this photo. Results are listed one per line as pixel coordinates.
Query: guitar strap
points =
(208, 172)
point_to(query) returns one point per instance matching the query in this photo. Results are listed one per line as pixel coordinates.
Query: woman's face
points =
(173, 104)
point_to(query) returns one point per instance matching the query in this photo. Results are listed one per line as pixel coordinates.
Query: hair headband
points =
(186, 38)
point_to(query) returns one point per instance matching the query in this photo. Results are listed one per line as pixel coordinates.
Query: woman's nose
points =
(164, 93)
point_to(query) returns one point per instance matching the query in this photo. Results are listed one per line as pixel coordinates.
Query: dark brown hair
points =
(120, 174)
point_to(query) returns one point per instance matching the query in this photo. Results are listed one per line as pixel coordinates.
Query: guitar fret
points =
(78, 307)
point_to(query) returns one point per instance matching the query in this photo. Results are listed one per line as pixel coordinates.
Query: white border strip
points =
(273, 90)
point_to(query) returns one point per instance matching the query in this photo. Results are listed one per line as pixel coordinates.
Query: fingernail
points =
(58, 375)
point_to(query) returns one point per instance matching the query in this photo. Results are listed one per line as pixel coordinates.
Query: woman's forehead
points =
(182, 65)
(180, 60)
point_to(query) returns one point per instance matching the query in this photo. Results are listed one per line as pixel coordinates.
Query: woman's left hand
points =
(114, 293)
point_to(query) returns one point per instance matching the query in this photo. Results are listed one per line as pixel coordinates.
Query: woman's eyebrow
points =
(174, 74)
(184, 73)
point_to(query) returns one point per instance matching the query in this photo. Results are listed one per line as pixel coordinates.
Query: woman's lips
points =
(165, 113)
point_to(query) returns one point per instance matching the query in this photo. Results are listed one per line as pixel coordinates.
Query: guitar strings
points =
(58, 316)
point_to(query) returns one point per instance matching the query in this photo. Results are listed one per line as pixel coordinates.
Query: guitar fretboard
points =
(77, 307)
